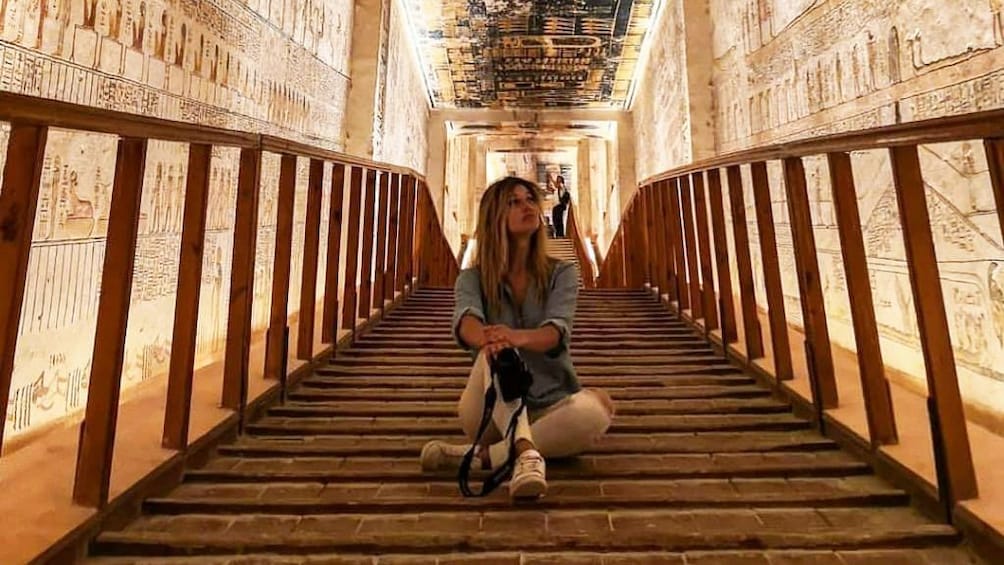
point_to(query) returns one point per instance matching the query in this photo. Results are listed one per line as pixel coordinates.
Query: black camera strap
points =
(500, 474)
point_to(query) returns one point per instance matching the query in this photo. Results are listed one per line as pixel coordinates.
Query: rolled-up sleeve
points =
(467, 301)
(560, 307)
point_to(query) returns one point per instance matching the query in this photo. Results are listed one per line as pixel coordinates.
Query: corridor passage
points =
(702, 465)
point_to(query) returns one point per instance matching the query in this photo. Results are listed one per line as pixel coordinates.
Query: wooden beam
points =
(379, 291)
(186, 309)
(875, 387)
(690, 246)
(97, 440)
(995, 161)
(649, 237)
(366, 262)
(404, 248)
(727, 308)
(349, 297)
(393, 239)
(329, 333)
(658, 240)
(817, 333)
(704, 242)
(957, 477)
(235, 364)
(275, 337)
(311, 248)
(22, 176)
(744, 266)
(665, 246)
(679, 248)
(771, 273)
(411, 188)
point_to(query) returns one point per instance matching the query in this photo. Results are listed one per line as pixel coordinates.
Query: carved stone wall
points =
(403, 137)
(277, 67)
(798, 68)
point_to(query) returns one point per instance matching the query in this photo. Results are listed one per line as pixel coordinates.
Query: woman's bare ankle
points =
(524, 445)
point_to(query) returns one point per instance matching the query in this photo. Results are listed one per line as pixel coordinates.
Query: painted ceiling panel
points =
(522, 53)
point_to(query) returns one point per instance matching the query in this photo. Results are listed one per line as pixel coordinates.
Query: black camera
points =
(513, 375)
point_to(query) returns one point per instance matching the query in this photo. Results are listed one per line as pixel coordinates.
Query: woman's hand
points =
(501, 337)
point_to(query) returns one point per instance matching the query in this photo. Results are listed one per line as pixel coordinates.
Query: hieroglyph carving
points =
(276, 67)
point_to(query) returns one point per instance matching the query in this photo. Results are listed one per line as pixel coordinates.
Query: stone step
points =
(459, 382)
(312, 498)
(272, 464)
(491, 530)
(636, 449)
(579, 354)
(342, 425)
(587, 370)
(449, 408)
(445, 340)
(912, 556)
(688, 357)
(390, 392)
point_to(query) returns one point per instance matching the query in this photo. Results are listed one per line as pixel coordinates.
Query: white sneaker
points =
(438, 455)
(528, 476)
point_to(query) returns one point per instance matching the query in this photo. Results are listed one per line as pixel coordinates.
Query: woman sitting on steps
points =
(517, 297)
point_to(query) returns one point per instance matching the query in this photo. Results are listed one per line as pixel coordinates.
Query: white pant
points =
(566, 428)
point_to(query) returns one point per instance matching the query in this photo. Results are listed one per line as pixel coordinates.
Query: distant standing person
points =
(558, 211)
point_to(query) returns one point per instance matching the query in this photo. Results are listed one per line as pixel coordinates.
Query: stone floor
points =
(701, 465)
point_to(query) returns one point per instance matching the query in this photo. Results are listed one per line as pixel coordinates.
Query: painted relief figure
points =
(52, 31)
(12, 19)
(995, 288)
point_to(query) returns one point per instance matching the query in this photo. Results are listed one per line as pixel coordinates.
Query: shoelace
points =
(528, 464)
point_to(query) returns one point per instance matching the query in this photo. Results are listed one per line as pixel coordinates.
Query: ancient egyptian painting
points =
(661, 112)
(277, 67)
(271, 66)
(506, 53)
(797, 68)
(403, 136)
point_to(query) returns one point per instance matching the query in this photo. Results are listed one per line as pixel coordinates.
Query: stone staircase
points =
(701, 466)
(564, 249)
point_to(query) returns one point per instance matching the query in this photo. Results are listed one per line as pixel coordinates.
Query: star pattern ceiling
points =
(530, 54)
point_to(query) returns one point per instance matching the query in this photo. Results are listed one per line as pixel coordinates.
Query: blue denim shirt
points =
(553, 374)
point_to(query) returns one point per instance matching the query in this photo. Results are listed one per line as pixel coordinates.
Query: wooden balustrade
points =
(400, 243)
(585, 264)
(683, 243)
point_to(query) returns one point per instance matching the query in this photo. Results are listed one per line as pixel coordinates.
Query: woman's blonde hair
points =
(493, 242)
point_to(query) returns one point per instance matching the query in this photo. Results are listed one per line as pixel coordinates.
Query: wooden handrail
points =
(956, 479)
(978, 125)
(415, 244)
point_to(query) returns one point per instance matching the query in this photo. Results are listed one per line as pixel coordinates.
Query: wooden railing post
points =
(690, 246)
(744, 267)
(406, 250)
(875, 387)
(97, 442)
(235, 373)
(393, 239)
(329, 333)
(275, 336)
(649, 237)
(186, 309)
(22, 176)
(349, 297)
(956, 475)
(381, 244)
(771, 273)
(311, 248)
(817, 334)
(663, 260)
(366, 268)
(681, 285)
(995, 162)
(725, 302)
(703, 240)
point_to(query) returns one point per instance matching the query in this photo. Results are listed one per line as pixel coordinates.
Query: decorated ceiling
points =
(530, 53)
